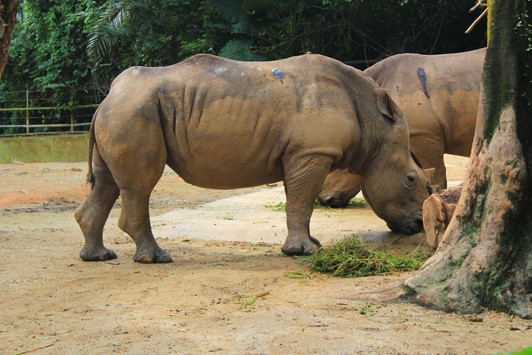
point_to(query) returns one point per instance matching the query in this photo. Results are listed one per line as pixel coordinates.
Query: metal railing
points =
(28, 126)
(35, 118)
(28, 112)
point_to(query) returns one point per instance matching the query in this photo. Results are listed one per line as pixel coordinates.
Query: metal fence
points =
(28, 113)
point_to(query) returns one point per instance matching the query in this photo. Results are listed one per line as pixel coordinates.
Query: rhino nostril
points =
(324, 201)
(419, 224)
(334, 202)
(338, 202)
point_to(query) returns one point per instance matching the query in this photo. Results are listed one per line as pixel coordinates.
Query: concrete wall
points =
(41, 149)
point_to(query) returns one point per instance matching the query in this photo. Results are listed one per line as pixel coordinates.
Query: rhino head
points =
(393, 185)
(339, 188)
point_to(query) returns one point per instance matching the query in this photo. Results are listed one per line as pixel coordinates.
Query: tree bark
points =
(484, 259)
(438, 210)
(8, 18)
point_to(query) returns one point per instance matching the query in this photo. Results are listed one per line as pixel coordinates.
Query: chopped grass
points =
(297, 275)
(281, 207)
(248, 302)
(526, 351)
(350, 258)
(368, 309)
(354, 203)
(357, 202)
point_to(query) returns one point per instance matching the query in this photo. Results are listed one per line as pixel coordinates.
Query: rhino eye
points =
(411, 177)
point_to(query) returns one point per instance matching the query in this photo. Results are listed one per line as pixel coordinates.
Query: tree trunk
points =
(438, 210)
(484, 259)
(8, 17)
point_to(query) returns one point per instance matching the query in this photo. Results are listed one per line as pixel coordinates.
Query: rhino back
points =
(228, 124)
(437, 93)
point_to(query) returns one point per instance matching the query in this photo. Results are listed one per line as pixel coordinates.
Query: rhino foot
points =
(294, 247)
(150, 256)
(99, 254)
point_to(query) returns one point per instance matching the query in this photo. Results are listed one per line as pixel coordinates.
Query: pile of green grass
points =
(350, 258)
(357, 202)
(354, 203)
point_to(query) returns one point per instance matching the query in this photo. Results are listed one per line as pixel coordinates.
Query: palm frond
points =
(230, 9)
(106, 32)
(239, 49)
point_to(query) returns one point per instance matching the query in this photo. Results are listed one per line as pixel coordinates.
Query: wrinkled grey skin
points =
(226, 124)
(443, 123)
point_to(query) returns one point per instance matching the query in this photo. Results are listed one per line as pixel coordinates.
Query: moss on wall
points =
(42, 149)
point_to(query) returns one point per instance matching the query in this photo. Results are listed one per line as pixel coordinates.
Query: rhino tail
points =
(91, 179)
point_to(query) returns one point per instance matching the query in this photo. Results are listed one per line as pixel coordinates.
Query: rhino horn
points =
(429, 174)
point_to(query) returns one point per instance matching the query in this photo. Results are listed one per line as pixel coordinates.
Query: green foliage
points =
(524, 42)
(350, 258)
(344, 29)
(55, 41)
(48, 54)
(72, 48)
(48, 49)
(239, 49)
(151, 33)
(526, 351)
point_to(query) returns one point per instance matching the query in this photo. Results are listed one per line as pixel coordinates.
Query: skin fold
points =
(225, 124)
(441, 120)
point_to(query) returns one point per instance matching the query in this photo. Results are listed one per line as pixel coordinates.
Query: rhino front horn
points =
(429, 174)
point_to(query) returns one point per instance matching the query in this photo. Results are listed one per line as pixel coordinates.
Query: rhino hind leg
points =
(92, 214)
(136, 158)
(135, 221)
(304, 178)
(136, 179)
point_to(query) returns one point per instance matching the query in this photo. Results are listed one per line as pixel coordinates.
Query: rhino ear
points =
(386, 105)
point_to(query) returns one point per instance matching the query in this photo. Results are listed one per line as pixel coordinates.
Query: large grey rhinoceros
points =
(225, 124)
(439, 96)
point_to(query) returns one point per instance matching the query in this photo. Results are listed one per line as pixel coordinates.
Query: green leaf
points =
(230, 9)
(239, 50)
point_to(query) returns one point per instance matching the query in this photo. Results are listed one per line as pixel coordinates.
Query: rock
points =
(438, 210)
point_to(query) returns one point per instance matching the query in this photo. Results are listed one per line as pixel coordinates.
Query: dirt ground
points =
(218, 296)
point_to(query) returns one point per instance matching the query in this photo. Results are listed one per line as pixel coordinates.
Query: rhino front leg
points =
(304, 178)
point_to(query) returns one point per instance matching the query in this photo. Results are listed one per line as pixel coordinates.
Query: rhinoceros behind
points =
(225, 124)
(439, 96)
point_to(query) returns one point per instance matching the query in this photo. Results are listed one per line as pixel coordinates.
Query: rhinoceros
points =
(225, 124)
(439, 96)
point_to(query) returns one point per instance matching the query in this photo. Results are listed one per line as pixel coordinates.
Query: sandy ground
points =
(219, 295)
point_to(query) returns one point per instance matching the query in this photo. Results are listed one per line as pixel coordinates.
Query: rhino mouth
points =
(335, 201)
(408, 228)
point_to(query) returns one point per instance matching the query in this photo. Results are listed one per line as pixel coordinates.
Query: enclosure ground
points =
(218, 296)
